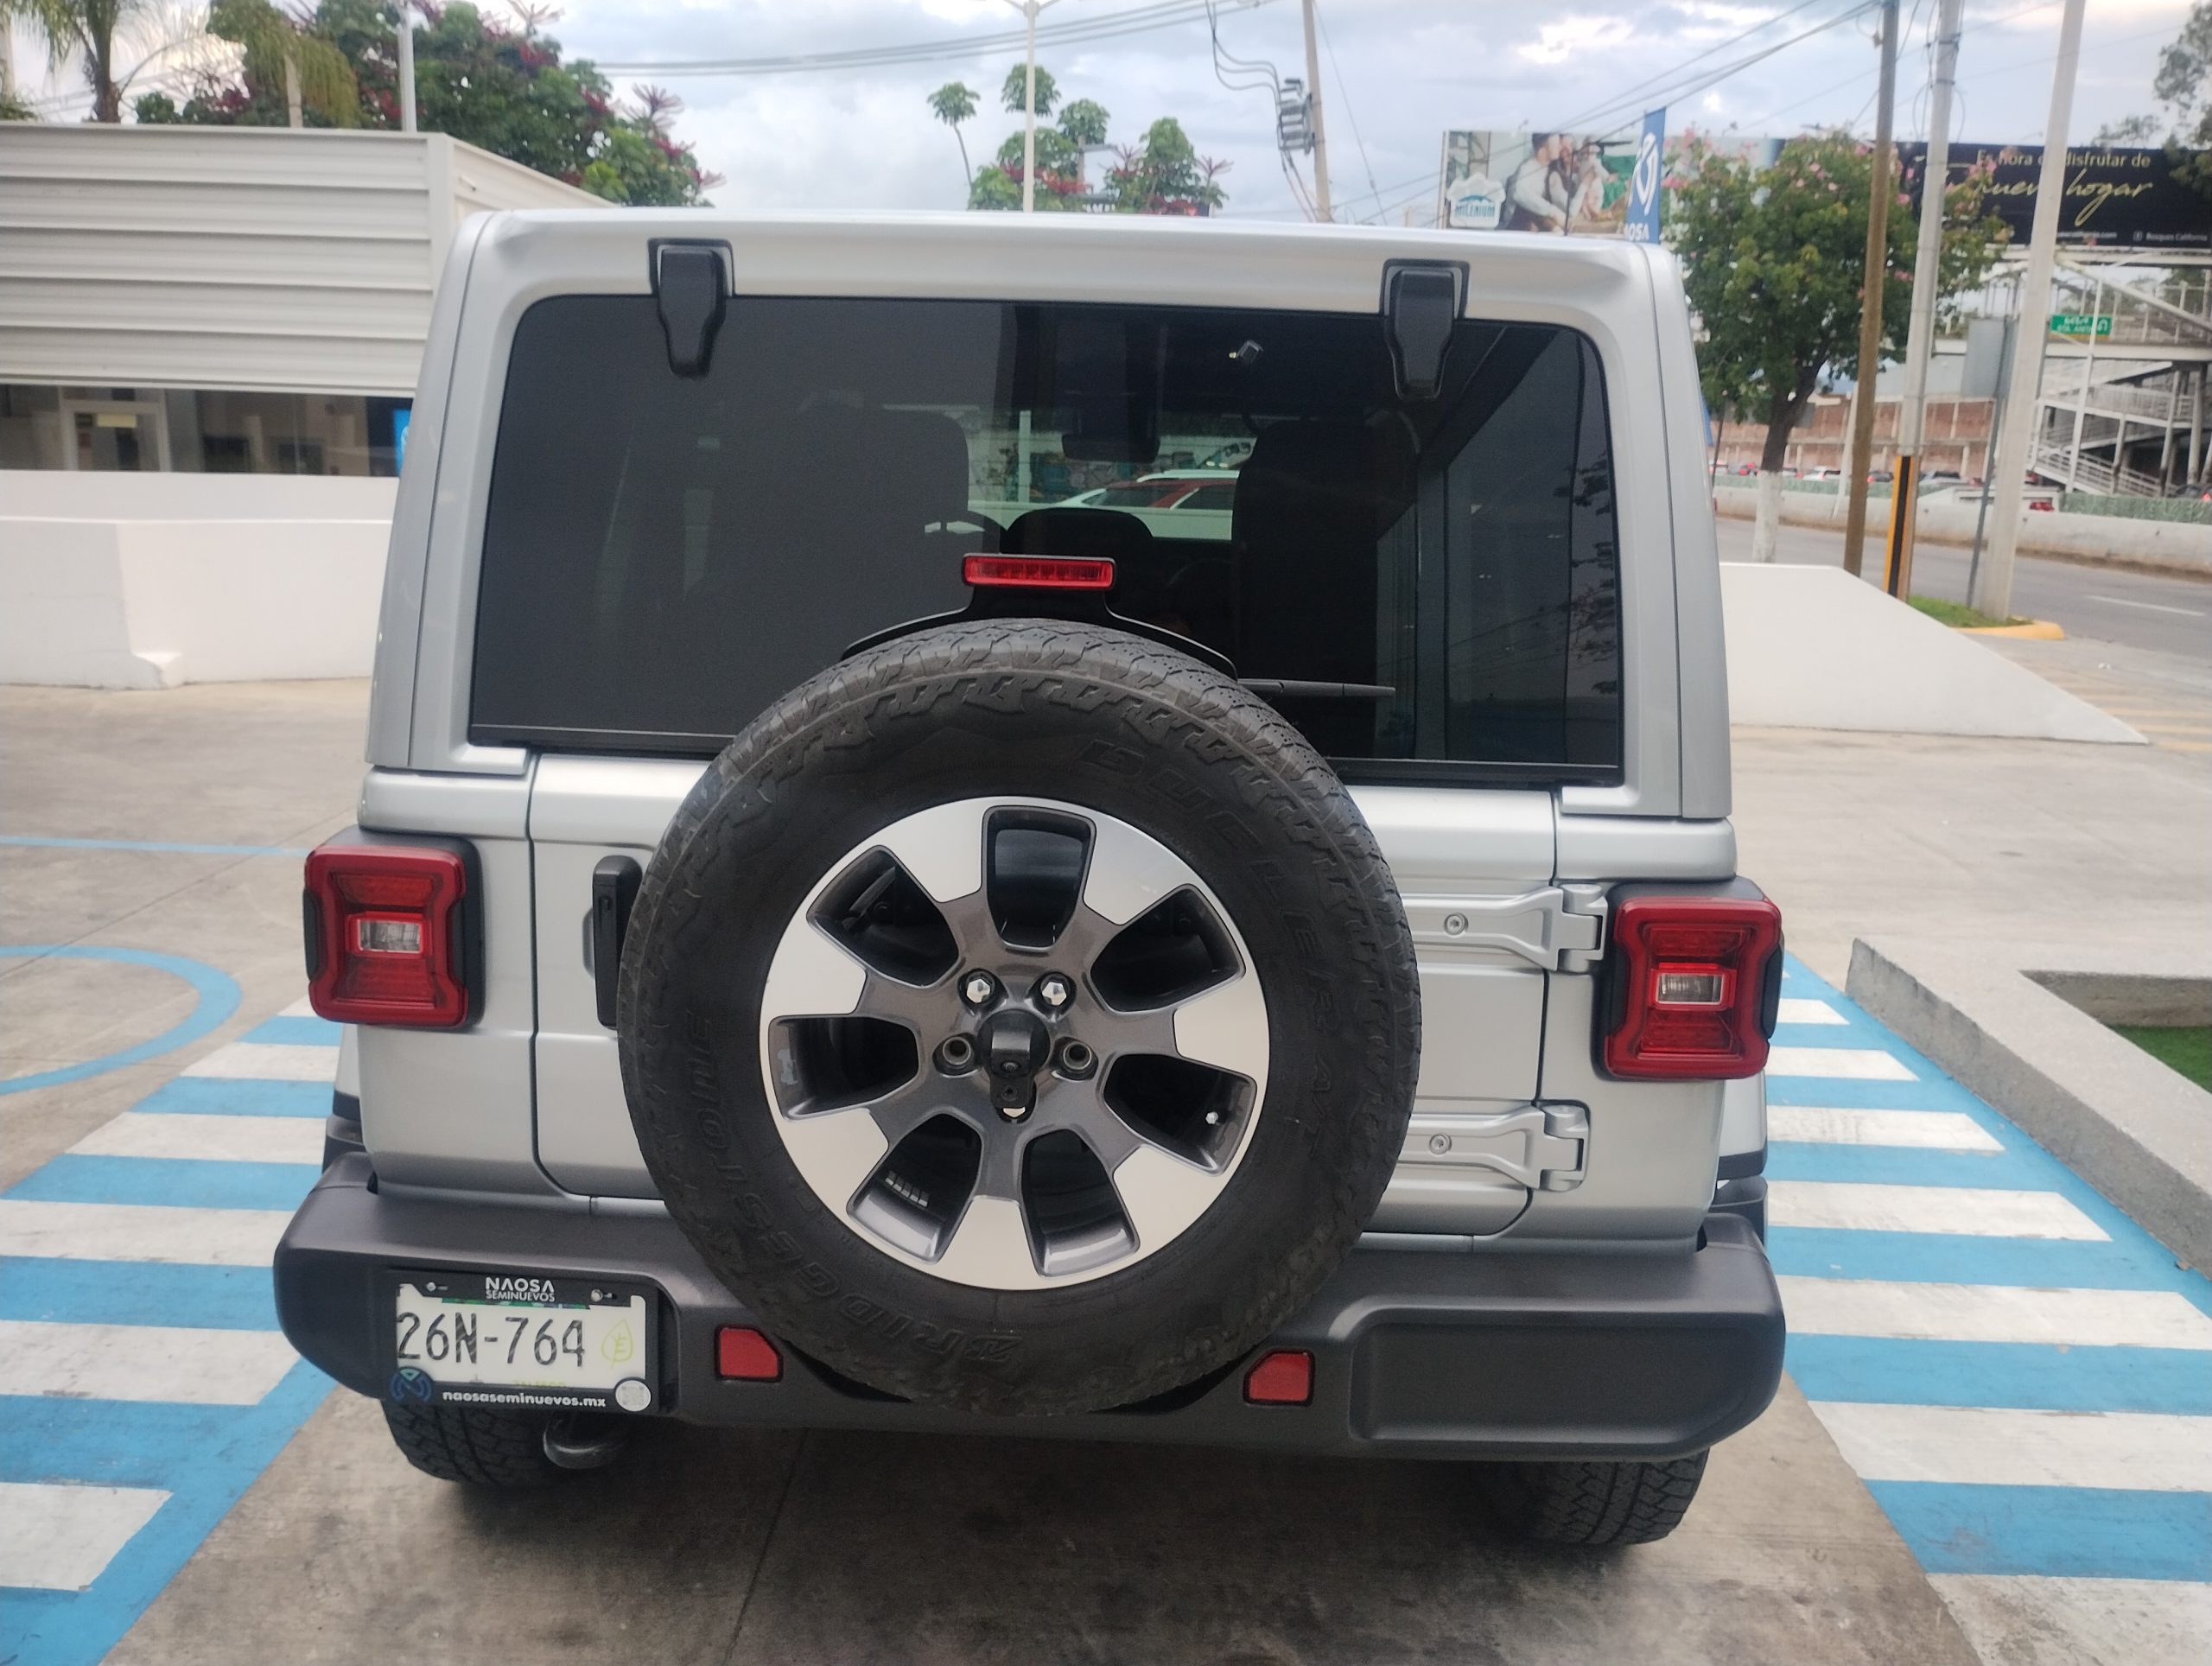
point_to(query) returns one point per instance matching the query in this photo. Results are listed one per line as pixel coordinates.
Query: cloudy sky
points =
(1395, 74)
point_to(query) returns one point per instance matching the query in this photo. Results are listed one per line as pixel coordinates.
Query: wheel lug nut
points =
(1055, 990)
(979, 988)
(956, 1054)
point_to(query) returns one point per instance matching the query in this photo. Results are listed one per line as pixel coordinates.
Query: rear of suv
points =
(846, 930)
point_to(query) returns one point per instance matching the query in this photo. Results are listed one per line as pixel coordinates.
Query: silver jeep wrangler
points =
(1067, 827)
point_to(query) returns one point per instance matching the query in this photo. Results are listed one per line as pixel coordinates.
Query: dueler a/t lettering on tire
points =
(1020, 1016)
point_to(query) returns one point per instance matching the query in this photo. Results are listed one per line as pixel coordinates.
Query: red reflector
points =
(1284, 1377)
(384, 943)
(746, 1355)
(1037, 572)
(1691, 976)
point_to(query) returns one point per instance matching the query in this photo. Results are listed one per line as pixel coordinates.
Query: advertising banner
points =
(1564, 183)
(1645, 174)
(2117, 196)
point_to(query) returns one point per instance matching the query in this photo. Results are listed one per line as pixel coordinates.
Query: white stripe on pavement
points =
(2035, 1619)
(131, 1232)
(1993, 1312)
(142, 1362)
(1932, 1130)
(1974, 1211)
(1803, 1009)
(268, 1061)
(204, 1138)
(303, 1007)
(1978, 1446)
(59, 1538)
(1851, 1063)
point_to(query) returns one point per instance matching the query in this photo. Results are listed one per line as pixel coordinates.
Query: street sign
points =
(2081, 323)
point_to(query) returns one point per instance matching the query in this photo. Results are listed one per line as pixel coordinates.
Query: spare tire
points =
(1019, 1016)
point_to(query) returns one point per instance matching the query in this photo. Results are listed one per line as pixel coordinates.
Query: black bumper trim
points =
(1507, 1355)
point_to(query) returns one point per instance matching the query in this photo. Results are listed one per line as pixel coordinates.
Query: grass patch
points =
(1957, 613)
(2186, 1048)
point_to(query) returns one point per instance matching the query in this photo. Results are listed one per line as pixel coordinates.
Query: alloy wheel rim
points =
(1014, 1043)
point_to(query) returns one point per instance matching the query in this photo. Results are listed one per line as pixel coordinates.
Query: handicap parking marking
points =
(2021, 1374)
(143, 1382)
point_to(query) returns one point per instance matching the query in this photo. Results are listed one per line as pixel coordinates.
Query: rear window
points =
(1427, 587)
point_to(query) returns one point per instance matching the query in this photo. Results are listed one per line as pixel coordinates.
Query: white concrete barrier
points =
(147, 581)
(1812, 647)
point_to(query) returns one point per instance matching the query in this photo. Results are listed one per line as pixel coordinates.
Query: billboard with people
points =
(1569, 184)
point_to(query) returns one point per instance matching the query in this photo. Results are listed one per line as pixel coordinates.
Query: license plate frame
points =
(616, 1372)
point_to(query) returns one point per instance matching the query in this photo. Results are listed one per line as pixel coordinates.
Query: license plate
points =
(499, 1340)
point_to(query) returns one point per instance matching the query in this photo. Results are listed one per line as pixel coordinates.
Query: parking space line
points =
(2032, 1376)
(215, 1096)
(201, 1137)
(2116, 1263)
(1801, 1009)
(1868, 1207)
(2134, 1620)
(91, 1292)
(61, 1538)
(167, 1183)
(1990, 1446)
(1995, 1313)
(1865, 1064)
(2064, 1531)
(137, 1232)
(266, 1062)
(292, 1029)
(142, 1362)
(1937, 1130)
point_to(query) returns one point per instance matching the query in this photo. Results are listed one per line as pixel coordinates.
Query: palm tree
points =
(954, 103)
(89, 28)
(315, 73)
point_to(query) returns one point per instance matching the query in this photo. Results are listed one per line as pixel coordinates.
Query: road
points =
(2167, 615)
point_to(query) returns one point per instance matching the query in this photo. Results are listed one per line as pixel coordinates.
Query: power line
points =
(1637, 90)
(1133, 20)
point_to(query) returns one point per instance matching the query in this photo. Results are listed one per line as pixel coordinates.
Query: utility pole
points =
(1029, 8)
(7, 56)
(1313, 105)
(406, 67)
(1870, 305)
(1927, 263)
(1992, 588)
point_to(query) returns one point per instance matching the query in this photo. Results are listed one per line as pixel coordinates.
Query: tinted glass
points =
(1415, 583)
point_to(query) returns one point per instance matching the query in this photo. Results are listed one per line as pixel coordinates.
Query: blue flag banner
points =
(1643, 225)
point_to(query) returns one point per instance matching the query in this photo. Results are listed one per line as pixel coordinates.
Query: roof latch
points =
(691, 281)
(1421, 301)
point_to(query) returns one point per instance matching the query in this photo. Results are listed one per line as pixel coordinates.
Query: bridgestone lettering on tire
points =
(1020, 1017)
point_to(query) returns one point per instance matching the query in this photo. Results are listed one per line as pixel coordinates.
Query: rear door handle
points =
(614, 884)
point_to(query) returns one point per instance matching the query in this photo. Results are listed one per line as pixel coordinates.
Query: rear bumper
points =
(1415, 1352)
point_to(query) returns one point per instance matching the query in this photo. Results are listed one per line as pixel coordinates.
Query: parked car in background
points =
(1824, 473)
(1171, 489)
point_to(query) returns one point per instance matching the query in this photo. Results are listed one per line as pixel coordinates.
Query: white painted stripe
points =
(1852, 1064)
(2035, 1619)
(1980, 1445)
(59, 1538)
(215, 1139)
(269, 1062)
(131, 1232)
(1930, 1130)
(1799, 1009)
(1973, 1211)
(301, 1008)
(1993, 1312)
(142, 1362)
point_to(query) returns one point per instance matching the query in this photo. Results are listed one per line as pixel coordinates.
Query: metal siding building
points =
(259, 259)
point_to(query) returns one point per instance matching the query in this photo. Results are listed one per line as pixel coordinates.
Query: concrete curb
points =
(2137, 1131)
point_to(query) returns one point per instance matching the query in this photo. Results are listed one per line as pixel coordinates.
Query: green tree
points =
(310, 71)
(1163, 173)
(1773, 259)
(92, 29)
(953, 103)
(2184, 69)
(505, 89)
(1014, 92)
(1084, 122)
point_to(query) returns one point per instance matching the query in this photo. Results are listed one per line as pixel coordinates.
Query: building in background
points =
(227, 300)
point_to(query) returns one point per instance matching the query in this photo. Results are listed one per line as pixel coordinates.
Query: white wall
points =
(147, 581)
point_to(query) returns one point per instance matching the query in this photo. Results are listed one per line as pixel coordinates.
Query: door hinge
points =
(1541, 1146)
(1561, 928)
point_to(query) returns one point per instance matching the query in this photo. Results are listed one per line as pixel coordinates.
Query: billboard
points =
(1574, 184)
(1569, 183)
(2117, 196)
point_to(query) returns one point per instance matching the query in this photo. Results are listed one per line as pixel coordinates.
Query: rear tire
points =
(1600, 1505)
(484, 1449)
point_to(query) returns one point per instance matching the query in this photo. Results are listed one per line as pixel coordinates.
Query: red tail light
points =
(1037, 572)
(743, 1355)
(1692, 984)
(1283, 1376)
(385, 938)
